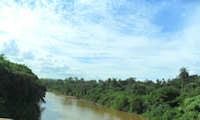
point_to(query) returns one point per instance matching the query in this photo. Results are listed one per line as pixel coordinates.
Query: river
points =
(69, 108)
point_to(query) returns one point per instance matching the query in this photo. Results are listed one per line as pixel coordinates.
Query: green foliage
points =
(175, 99)
(190, 87)
(2, 106)
(120, 102)
(20, 91)
(162, 95)
(183, 73)
(138, 89)
(185, 95)
(2, 57)
(136, 104)
(191, 108)
(170, 114)
(192, 104)
(159, 110)
(197, 81)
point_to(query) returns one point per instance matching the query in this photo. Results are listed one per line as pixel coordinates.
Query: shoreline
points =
(73, 97)
(67, 96)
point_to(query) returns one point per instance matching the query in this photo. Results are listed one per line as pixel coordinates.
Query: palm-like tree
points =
(183, 73)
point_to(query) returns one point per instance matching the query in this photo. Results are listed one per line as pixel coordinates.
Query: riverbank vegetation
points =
(20, 91)
(178, 98)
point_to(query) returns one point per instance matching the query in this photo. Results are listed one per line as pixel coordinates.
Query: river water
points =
(69, 108)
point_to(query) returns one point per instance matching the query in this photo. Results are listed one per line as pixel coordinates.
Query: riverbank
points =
(68, 96)
(60, 107)
(73, 97)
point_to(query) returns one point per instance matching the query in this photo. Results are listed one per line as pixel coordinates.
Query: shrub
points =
(136, 104)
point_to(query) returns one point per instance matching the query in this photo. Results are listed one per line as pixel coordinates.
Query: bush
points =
(191, 108)
(162, 95)
(120, 102)
(159, 110)
(190, 87)
(170, 114)
(136, 104)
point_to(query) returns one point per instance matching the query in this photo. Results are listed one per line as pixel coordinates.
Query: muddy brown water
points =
(69, 108)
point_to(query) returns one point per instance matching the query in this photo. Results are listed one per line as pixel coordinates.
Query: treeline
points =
(20, 91)
(178, 98)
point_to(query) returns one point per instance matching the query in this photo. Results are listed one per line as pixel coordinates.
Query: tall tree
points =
(2, 57)
(183, 73)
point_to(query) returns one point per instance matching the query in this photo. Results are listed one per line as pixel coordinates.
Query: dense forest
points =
(178, 98)
(20, 91)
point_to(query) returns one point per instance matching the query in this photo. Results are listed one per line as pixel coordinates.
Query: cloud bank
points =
(100, 39)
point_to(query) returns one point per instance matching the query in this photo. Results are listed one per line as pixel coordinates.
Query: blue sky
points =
(93, 39)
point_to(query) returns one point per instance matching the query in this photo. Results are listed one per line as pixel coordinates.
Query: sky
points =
(98, 39)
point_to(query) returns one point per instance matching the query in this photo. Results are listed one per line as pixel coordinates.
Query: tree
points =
(183, 73)
(20, 91)
(2, 57)
(130, 81)
(190, 87)
(158, 83)
(109, 81)
(120, 102)
(138, 89)
(114, 83)
(136, 104)
(162, 95)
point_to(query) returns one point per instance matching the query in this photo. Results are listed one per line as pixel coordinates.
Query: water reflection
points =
(49, 112)
(67, 108)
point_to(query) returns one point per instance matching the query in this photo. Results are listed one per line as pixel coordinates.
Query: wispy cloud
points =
(101, 39)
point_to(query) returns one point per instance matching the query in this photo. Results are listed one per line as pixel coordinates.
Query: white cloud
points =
(183, 14)
(97, 39)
